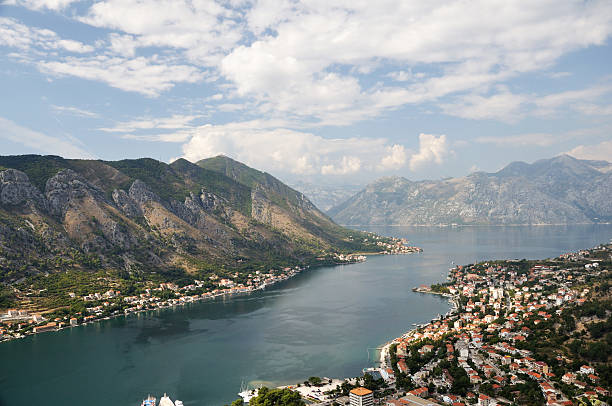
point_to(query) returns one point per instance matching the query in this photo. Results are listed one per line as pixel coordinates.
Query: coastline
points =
(226, 293)
(384, 349)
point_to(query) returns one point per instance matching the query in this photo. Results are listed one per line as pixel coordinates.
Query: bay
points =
(324, 322)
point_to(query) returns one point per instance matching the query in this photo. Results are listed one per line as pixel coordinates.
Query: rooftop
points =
(361, 391)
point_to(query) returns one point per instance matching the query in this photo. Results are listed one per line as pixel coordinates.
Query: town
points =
(518, 332)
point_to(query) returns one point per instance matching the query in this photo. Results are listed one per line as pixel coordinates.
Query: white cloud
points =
(432, 149)
(547, 105)
(148, 76)
(348, 165)
(510, 107)
(174, 122)
(503, 106)
(43, 4)
(35, 141)
(16, 35)
(277, 150)
(601, 151)
(520, 140)
(75, 111)
(471, 45)
(395, 159)
(317, 63)
(594, 109)
(204, 29)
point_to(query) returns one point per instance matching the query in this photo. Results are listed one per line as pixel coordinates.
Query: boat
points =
(149, 401)
(166, 401)
(247, 394)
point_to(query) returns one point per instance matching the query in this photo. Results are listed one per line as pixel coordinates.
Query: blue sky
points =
(322, 91)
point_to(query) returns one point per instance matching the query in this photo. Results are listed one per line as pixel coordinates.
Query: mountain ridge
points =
(140, 217)
(560, 190)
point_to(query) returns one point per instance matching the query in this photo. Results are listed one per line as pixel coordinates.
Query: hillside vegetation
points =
(144, 219)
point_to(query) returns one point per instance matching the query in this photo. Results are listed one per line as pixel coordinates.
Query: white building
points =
(361, 397)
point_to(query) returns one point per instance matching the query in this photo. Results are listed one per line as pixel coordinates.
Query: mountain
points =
(326, 196)
(142, 217)
(561, 190)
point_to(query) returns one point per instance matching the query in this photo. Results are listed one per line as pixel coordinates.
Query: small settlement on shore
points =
(19, 323)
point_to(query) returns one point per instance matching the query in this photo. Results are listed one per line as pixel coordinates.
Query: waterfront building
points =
(361, 397)
(47, 327)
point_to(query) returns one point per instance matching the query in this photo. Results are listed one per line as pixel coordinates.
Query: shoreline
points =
(203, 297)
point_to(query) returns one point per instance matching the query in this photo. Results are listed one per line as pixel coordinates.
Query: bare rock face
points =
(126, 203)
(16, 189)
(260, 206)
(68, 186)
(141, 194)
(210, 201)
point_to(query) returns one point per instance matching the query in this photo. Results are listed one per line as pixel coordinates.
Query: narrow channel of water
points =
(320, 323)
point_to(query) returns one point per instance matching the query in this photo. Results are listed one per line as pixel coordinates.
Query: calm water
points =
(320, 323)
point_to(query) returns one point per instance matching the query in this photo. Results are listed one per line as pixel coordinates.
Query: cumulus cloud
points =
(310, 40)
(40, 142)
(395, 159)
(432, 149)
(601, 151)
(307, 60)
(348, 165)
(301, 153)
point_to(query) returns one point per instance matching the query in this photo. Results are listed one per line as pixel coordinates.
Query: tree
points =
(314, 380)
(277, 397)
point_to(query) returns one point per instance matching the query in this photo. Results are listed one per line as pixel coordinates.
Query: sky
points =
(321, 91)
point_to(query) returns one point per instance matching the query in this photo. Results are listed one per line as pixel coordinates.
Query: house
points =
(450, 398)
(488, 370)
(586, 369)
(568, 378)
(541, 367)
(579, 384)
(420, 392)
(47, 327)
(593, 378)
(387, 374)
(426, 349)
(484, 400)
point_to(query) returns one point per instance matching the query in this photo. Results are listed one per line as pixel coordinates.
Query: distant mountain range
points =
(147, 216)
(561, 190)
(326, 196)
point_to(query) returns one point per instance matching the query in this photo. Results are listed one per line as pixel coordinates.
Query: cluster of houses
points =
(397, 246)
(496, 301)
(18, 323)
